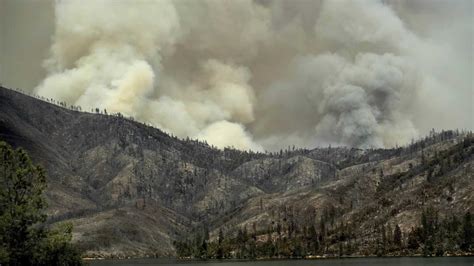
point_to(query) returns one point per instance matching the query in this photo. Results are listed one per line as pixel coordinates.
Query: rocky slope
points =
(131, 189)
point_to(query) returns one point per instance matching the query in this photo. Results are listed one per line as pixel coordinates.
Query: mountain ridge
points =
(133, 190)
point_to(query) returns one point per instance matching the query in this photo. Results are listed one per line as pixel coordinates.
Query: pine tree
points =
(314, 239)
(270, 248)
(382, 244)
(220, 250)
(467, 232)
(24, 240)
(21, 188)
(429, 226)
(397, 236)
(412, 242)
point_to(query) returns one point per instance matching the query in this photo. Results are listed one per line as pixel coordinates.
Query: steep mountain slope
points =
(131, 189)
(365, 197)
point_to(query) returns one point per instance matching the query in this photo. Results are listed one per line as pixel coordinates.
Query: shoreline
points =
(275, 259)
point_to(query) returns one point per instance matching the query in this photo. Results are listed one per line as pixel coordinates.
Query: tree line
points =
(432, 237)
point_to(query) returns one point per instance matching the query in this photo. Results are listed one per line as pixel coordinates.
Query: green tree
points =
(220, 250)
(203, 250)
(413, 238)
(313, 240)
(269, 247)
(57, 249)
(429, 226)
(397, 236)
(24, 240)
(21, 188)
(382, 242)
(467, 232)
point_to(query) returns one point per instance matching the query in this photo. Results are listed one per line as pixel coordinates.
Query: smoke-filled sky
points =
(261, 74)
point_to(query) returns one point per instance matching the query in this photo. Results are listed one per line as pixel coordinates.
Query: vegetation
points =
(336, 235)
(433, 237)
(139, 187)
(24, 240)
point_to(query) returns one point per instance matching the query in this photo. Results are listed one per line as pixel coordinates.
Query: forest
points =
(434, 237)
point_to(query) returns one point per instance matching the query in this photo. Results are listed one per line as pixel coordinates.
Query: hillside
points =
(132, 190)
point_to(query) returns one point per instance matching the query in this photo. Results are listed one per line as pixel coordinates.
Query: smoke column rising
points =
(268, 74)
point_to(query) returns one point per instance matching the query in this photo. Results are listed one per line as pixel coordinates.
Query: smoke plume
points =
(266, 74)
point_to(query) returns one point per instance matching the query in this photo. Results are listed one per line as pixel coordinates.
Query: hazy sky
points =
(26, 29)
(257, 74)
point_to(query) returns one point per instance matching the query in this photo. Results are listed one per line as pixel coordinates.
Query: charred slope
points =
(132, 189)
(106, 164)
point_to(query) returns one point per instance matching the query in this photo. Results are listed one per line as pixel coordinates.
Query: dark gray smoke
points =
(266, 74)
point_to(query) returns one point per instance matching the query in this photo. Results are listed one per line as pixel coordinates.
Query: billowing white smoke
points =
(249, 74)
(108, 54)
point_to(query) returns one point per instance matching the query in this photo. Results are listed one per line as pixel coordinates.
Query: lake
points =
(406, 261)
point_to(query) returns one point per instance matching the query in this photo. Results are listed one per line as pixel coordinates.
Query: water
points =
(445, 261)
